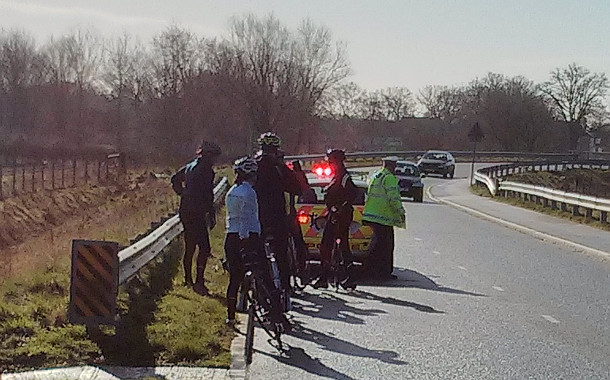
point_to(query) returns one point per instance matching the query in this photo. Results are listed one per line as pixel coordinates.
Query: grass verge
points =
(161, 322)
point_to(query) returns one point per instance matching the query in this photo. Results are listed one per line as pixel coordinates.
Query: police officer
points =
(194, 182)
(382, 212)
(339, 197)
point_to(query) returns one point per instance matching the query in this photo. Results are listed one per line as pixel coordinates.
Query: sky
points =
(405, 43)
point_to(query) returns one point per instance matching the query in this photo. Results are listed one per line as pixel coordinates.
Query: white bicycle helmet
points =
(245, 165)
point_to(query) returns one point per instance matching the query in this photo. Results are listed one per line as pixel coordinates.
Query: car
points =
(437, 162)
(409, 180)
(311, 205)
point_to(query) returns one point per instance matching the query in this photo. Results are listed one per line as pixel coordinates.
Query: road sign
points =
(476, 133)
(94, 282)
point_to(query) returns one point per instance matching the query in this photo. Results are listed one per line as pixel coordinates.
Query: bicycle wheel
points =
(249, 347)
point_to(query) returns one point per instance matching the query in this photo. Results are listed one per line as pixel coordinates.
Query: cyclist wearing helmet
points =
(340, 194)
(195, 184)
(275, 178)
(243, 227)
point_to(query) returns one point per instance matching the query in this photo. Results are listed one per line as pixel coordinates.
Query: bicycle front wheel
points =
(250, 334)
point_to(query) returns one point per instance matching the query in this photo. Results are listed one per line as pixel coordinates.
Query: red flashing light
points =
(303, 218)
(323, 170)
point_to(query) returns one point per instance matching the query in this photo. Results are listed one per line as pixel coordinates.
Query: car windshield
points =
(406, 169)
(315, 195)
(436, 156)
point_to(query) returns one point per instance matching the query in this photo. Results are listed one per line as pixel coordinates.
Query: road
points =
(474, 300)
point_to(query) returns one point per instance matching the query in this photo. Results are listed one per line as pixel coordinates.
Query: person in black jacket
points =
(274, 179)
(195, 184)
(340, 195)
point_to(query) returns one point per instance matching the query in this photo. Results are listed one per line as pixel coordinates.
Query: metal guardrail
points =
(137, 255)
(492, 178)
(557, 196)
(458, 153)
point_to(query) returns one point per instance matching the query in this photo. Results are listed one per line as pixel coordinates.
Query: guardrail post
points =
(589, 213)
(33, 178)
(553, 205)
(575, 210)
(63, 169)
(545, 202)
(564, 207)
(53, 175)
(603, 216)
(1, 183)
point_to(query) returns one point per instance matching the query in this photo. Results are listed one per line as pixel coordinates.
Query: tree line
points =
(157, 99)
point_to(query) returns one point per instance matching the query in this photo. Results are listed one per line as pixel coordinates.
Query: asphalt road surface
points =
(474, 300)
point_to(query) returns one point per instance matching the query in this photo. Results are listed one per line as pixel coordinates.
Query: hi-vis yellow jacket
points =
(383, 204)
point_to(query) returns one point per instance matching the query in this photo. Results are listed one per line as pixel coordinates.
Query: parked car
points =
(437, 162)
(409, 180)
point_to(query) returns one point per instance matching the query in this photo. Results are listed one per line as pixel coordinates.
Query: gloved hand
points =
(211, 219)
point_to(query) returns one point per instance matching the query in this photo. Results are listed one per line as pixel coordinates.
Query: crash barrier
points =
(492, 178)
(21, 177)
(130, 260)
(310, 159)
(557, 199)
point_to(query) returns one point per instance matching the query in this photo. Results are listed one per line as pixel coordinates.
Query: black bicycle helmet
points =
(208, 148)
(335, 155)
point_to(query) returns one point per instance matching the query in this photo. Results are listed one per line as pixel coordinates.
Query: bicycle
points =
(263, 295)
(338, 275)
(296, 273)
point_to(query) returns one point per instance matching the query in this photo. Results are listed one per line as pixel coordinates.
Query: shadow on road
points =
(298, 358)
(334, 344)
(411, 279)
(330, 307)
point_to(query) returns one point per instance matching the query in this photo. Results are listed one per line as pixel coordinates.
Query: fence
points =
(21, 177)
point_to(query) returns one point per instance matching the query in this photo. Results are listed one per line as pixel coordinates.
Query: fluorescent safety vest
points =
(383, 204)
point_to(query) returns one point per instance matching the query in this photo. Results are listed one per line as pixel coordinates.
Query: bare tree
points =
(440, 102)
(398, 103)
(576, 94)
(176, 57)
(340, 102)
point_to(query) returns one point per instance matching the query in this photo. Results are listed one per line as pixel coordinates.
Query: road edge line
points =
(538, 234)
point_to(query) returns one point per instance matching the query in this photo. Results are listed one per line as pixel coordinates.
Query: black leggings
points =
(233, 247)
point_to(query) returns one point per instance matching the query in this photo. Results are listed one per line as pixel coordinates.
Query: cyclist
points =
(275, 178)
(340, 194)
(243, 228)
(195, 184)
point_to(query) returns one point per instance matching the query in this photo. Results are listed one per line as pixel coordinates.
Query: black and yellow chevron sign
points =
(94, 282)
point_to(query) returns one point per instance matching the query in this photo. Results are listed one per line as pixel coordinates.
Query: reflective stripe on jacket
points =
(383, 204)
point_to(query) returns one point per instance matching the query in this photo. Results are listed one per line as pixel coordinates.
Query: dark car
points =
(437, 162)
(409, 180)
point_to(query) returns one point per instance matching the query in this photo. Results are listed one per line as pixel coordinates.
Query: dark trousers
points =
(233, 246)
(337, 227)
(381, 250)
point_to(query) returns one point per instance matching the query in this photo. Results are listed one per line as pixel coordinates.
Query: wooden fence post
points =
(1, 182)
(99, 171)
(73, 172)
(15, 179)
(63, 168)
(33, 177)
(23, 179)
(86, 171)
(53, 175)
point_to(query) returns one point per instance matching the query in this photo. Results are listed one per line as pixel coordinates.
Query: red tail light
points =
(303, 218)
(319, 171)
(328, 171)
(322, 170)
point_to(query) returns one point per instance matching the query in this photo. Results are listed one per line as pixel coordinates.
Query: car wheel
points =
(419, 196)
(452, 173)
(446, 174)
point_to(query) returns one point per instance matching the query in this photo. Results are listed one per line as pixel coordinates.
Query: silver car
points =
(437, 162)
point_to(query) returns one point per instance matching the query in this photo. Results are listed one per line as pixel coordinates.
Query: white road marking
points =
(550, 319)
(418, 239)
(461, 267)
(436, 252)
(498, 288)
(540, 235)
